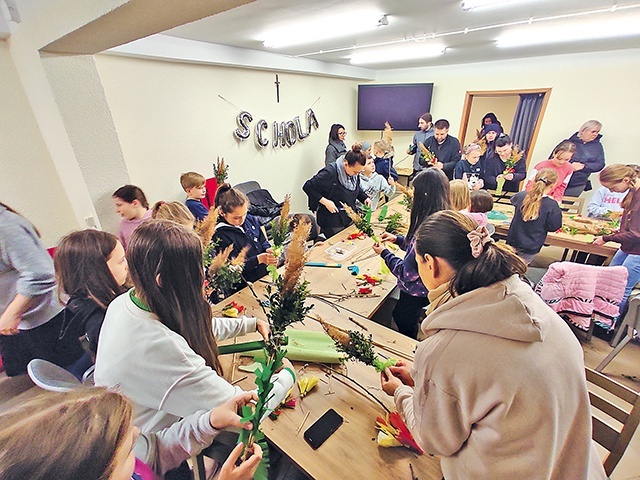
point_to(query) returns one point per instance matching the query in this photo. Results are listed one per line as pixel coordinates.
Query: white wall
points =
(169, 119)
(601, 86)
(29, 181)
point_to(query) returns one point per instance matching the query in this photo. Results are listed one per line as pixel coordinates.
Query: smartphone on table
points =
(322, 429)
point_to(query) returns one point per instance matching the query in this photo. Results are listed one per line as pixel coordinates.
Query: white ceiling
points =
(248, 25)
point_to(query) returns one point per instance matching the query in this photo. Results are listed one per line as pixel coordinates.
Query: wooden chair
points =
(624, 331)
(608, 413)
(504, 197)
(572, 205)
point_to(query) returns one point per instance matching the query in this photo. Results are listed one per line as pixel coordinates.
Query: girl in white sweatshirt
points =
(158, 340)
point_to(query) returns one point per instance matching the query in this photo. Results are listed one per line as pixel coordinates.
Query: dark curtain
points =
(524, 122)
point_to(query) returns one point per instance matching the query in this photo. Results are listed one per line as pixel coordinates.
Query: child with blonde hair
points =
(536, 214)
(470, 168)
(194, 185)
(461, 201)
(559, 162)
(173, 211)
(374, 184)
(383, 159)
(619, 178)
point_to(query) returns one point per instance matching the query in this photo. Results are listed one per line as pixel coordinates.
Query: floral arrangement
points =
(509, 167)
(205, 230)
(287, 306)
(395, 224)
(280, 226)
(362, 223)
(427, 156)
(220, 170)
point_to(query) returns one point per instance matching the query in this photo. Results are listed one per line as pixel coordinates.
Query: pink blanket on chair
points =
(581, 292)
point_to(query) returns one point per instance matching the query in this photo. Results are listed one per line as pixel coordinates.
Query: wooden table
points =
(351, 452)
(577, 242)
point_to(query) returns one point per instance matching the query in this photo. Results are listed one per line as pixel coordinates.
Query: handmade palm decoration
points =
(220, 170)
(359, 347)
(509, 167)
(279, 233)
(224, 274)
(427, 156)
(287, 306)
(362, 223)
(205, 230)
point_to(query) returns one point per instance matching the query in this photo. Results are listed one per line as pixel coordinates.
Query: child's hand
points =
(392, 182)
(378, 248)
(226, 415)
(479, 184)
(263, 328)
(508, 176)
(599, 241)
(389, 383)
(246, 469)
(388, 237)
(368, 202)
(267, 258)
(402, 370)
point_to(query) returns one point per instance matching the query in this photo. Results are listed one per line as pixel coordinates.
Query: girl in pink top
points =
(559, 162)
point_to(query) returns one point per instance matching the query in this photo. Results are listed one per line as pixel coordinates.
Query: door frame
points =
(466, 110)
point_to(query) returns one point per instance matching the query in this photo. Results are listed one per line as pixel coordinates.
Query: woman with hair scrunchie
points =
(497, 389)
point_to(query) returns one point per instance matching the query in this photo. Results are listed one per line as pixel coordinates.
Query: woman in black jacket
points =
(334, 185)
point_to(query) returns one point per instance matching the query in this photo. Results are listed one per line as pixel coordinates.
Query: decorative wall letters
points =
(285, 133)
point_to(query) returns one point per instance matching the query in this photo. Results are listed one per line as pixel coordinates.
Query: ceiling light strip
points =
(514, 23)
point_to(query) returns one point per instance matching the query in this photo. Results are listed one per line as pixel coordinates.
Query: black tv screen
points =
(400, 104)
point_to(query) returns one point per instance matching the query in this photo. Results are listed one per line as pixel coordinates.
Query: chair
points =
(624, 333)
(582, 294)
(572, 205)
(50, 376)
(504, 197)
(608, 413)
(246, 187)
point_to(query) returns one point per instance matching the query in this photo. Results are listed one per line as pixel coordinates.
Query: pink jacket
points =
(582, 291)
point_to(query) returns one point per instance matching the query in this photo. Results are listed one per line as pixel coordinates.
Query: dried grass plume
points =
(206, 228)
(296, 255)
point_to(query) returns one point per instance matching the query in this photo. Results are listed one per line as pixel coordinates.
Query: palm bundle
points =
(205, 230)
(287, 306)
(362, 223)
(220, 170)
(356, 345)
(407, 196)
(427, 155)
(509, 166)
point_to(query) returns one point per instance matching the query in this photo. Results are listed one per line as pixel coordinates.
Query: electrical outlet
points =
(90, 222)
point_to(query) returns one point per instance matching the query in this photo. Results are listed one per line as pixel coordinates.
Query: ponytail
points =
(533, 199)
(228, 198)
(445, 235)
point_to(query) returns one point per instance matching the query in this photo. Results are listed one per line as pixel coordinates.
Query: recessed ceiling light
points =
(400, 53)
(322, 28)
(570, 32)
(487, 4)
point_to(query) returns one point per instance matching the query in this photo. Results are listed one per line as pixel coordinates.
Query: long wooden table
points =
(579, 242)
(352, 451)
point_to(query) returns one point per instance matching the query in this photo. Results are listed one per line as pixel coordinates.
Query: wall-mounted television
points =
(400, 104)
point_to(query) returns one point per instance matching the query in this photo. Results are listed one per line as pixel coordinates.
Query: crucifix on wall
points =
(277, 82)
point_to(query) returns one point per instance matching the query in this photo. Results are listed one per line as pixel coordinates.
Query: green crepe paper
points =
(383, 212)
(306, 346)
(496, 215)
(240, 347)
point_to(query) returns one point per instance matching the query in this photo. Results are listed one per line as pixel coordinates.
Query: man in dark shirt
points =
(445, 147)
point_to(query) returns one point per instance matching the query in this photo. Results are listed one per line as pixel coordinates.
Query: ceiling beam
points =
(134, 20)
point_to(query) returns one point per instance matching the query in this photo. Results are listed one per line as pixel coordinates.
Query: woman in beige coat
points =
(497, 389)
